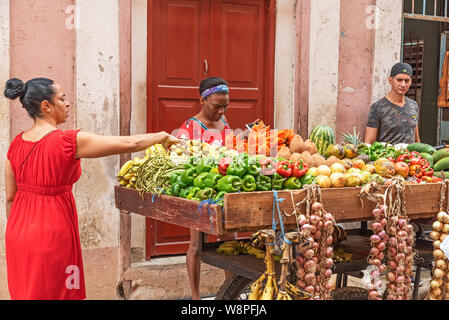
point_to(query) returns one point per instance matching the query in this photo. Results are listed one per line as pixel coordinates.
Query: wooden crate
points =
(254, 210)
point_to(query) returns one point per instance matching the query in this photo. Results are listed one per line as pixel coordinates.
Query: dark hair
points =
(211, 82)
(31, 94)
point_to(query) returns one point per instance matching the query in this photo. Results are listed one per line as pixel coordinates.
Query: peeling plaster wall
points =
(139, 100)
(4, 117)
(387, 46)
(97, 83)
(324, 56)
(284, 89)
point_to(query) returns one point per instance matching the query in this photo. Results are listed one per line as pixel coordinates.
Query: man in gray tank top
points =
(394, 118)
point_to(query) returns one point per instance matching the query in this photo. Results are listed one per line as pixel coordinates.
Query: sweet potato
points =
(295, 157)
(284, 153)
(310, 146)
(306, 157)
(297, 144)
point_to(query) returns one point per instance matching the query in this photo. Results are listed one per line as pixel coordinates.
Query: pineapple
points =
(353, 138)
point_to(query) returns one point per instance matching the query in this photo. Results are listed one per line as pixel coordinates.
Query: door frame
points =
(270, 7)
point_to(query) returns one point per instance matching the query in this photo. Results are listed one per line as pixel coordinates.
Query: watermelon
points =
(323, 136)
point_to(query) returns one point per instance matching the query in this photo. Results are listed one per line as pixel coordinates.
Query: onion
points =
(327, 225)
(376, 213)
(375, 273)
(409, 249)
(392, 250)
(381, 234)
(443, 236)
(409, 229)
(392, 230)
(374, 238)
(328, 273)
(392, 265)
(434, 235)
(399, 280)
(437, 226)
(381, 246)
(315, 260)
(438, 254)
(301, 284)
(383, 222)
(312, 229)
(402, 223)
(374, 251)
(438, 273)
(400, 269)
(434, 284)
(378, 284)
(329, 252)
(309, 254)
(373, 295)
(314, 219)
(315, 245)
(317, 235)
(319, 225)
(310, 266)
(306, 227)
(402, 246)
(393, 242)
(382, 268)
(301, 273)
(302, 220)
(376, 226)
(376, 262)
(445, 228)
(300, 260)
(329, 240)
(402, 234)
(447, 286)
(310, 278)
(370, 286)
(383, 208)
(436, 292)
(316, 206)
(409, 240)
(328, 264)
(391, 277)
(399, 257)
(408, 271)
(328, 287)
(440, 263)
(391, 286)
(391, 297)
(309, 289)
(447, 276)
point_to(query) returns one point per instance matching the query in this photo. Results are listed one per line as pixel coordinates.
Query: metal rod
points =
(445, 9)
(413, 6)
(434, 7)
(424, 8)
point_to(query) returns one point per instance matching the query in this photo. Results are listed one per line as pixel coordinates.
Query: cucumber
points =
(421, 147)
(438, 174)
(428, 157)
(440, 154)
(443, 164)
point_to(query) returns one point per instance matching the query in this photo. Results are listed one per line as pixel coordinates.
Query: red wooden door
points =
(189, 40)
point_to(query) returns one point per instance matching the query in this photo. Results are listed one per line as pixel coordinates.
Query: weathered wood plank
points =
(254, 210)
(178, 211)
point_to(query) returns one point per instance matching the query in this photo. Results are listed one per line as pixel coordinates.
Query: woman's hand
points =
(168, 140)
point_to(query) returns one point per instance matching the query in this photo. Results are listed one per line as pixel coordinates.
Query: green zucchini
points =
(440, 154)
(438, 174)
(421, 147)
(428, 157)
(443, 164)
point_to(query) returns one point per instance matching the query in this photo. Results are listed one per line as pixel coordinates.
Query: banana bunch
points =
(286, 289)
(127, 175)
(269, 289)
(155, 150)
(234, 248)
(341, 256)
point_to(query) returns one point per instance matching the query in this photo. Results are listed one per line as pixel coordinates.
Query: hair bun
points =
(15, 88)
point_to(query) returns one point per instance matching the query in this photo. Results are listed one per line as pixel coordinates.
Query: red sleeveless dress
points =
(43, 250)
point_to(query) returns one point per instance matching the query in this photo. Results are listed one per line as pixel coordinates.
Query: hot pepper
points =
(212, 179)
(299, 169)
(428, 172)
(436, 179)
(188, 176)
(284, 168)
(415, 170)
(277, 181)
(292, 183)
(248, 183)
(205, 194)
(223, 165)
(263, 183)
(236, 169)
(229, 184)
(176, 188)
(268, 167)
(390, 158)
(199, 180)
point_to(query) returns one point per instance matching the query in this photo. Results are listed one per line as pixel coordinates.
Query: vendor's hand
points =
(168, 140)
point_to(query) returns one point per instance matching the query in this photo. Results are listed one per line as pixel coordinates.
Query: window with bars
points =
(414, 56)
(433, 10)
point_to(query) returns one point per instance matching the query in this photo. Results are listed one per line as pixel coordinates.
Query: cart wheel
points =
(350, 293)
(234, 288)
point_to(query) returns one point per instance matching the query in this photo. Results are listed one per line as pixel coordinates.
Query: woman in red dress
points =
(43, 250)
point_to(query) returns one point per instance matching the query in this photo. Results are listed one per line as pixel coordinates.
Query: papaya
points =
(421, 147)
(441, 165)
(440, 154)
(428, 157)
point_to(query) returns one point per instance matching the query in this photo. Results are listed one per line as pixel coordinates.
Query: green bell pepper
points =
(185, 192)
(204, 165)
(236, 169)
(277, 181)
(199, 180)
(248, 183)
(176, 188)
(168, 192)
(219, 195)
(307, 179)
(263, 183)
(212, 179)
(193, 193)
(229, 183)
(292, 183)
(206, 194)
(175, 177)
(188, 176)
(253, 167)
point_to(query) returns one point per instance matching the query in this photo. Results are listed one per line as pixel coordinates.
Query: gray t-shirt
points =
(396, 124)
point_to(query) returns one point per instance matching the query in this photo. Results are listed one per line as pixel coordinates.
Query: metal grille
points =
(414, 56)
(431, 10)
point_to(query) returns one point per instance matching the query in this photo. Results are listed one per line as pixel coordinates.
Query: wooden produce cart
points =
(253, 211)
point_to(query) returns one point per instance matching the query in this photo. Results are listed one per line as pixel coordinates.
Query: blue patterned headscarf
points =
(221, 88)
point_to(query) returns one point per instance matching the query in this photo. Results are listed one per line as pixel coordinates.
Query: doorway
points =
(189, 40)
